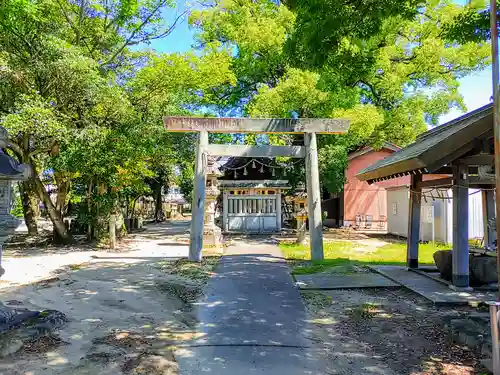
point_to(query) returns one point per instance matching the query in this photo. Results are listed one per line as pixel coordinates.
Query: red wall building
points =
(361, 205)
(365, 205)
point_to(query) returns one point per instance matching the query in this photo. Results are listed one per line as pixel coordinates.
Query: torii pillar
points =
(198, 205)
(308, 127)
(314, 197)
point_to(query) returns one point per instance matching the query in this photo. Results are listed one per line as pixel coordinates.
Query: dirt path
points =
(125, 308)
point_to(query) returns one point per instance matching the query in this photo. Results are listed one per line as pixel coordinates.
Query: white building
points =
(436, 216)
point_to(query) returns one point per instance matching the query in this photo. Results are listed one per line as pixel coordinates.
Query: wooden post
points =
(198, 206)
(314, 197)
(414, 221)
(225, 208)
(488, 202)
(278, 210)
(112, 231)
(460, 277)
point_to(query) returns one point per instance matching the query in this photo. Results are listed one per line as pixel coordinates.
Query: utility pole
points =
(495, 306)
(496, 119)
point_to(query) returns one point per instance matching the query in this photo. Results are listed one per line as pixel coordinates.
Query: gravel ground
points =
(126, 309)
(385, 331)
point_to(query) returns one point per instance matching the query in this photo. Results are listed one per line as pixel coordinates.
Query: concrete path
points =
(252, 320)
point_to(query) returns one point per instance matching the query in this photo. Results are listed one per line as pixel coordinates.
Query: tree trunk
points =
(61, 233)
(25, 189)
(112, 230)
(132, 215)
(89, 208)
(158, 203)
(63, 185)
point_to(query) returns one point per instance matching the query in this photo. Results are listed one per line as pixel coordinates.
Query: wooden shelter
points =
(462, 152)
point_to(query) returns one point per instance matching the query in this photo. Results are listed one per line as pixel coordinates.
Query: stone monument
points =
(300, 209)
(10, 171)
(212, 234)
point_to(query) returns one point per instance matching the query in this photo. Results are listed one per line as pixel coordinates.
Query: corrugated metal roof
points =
(433, 146)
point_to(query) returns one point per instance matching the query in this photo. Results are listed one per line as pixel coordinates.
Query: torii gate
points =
(308, 127)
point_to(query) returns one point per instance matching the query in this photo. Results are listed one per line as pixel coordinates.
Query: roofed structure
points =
(462, 153)
(437, 147)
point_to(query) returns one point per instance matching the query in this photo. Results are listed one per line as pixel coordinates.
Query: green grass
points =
(345, 254)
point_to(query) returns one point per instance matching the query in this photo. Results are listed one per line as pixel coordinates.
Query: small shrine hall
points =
(251, 194)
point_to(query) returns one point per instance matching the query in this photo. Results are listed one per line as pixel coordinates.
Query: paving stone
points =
(433, 290)
(345, 281)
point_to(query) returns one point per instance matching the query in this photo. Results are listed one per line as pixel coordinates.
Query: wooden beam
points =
(479, 159)
(443, 170)
(435, 160)
(482, 186)
(256, 151)
(476, 180)
(248, 125)
(449, 170)
(435, 183)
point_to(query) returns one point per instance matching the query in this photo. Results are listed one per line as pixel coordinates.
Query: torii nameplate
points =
(250, 125)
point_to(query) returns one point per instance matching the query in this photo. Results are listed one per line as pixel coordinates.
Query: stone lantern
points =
(10, 171)
(300, 210)
(23, 325)
(212, 234)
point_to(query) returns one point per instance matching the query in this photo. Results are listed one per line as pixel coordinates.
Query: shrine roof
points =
(435, 148)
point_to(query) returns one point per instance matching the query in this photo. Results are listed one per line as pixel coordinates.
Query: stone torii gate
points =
(308, 127)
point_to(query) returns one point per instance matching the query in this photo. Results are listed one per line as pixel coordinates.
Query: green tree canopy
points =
(392, 72)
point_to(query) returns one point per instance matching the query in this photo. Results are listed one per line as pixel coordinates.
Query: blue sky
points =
(476, 88)
(181, 38)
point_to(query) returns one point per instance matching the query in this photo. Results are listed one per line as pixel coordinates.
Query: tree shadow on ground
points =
(160, 231)
(20, 249)
(123, 317)
(130, 318)
(23, 245)
(400, 329)
(278, 332)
